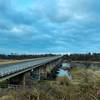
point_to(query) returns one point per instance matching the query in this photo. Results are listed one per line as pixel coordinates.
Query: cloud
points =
(17, 30)
(21, 30)
(49, 25)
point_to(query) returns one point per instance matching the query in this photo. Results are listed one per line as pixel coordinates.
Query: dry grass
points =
(84, 86)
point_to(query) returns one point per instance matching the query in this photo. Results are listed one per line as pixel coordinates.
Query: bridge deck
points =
(13, 68)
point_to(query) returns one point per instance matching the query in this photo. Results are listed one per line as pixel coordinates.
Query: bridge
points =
(37, 68)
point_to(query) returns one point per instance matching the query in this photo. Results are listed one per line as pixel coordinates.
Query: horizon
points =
(66, 53)
(49, 26)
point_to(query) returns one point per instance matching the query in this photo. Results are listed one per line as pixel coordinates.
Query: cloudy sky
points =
(49, 26)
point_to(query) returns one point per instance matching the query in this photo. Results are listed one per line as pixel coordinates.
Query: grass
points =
(84, 86)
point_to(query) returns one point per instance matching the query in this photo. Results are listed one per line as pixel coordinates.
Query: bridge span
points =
(38, 67)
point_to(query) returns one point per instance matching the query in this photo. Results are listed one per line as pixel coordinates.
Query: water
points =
(64, 73)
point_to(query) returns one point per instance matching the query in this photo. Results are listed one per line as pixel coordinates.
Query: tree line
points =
(23, 56)
(83, 57)
(74, 57)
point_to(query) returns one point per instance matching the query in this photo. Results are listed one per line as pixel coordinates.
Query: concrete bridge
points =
(18, 73)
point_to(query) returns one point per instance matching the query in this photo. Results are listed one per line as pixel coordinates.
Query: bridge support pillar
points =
(17, 80)
(43, 71)
(22, 79)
